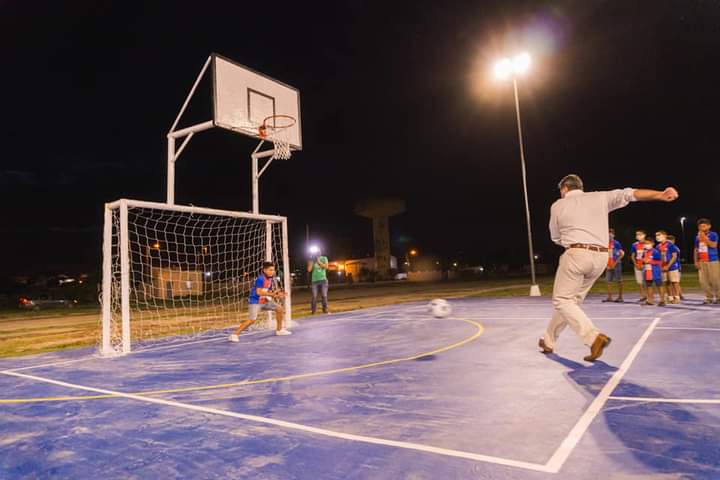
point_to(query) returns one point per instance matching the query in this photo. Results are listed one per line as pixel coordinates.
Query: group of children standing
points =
(658, 269)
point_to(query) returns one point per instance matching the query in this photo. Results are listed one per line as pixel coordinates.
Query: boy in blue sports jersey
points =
(678, 285)
(707, 261)
(652, 273)
(613, 273)
(263, 296)
(670, 256)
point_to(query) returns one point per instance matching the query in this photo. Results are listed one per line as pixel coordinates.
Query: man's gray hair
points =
(571, 182)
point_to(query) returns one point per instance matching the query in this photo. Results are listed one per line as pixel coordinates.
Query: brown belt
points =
(588, 246)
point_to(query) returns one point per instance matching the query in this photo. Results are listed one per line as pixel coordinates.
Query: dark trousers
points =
(320, 287)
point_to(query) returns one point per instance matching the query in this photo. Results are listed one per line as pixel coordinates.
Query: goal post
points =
(176, 272)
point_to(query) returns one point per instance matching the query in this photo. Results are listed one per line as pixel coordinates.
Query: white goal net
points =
(178, 272)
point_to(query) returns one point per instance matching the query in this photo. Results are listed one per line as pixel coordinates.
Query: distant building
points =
(168, 283)
(358, 266)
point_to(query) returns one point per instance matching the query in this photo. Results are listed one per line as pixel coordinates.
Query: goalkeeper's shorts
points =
(255, 308)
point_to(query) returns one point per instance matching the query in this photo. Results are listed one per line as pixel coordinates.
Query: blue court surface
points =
(385, 393)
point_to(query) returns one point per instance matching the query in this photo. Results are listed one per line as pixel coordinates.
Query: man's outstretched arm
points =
(667, 195)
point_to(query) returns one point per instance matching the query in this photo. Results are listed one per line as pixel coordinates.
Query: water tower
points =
(379, 210)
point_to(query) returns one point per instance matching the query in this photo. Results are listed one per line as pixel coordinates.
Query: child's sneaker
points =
(234, 338)
(282, 332)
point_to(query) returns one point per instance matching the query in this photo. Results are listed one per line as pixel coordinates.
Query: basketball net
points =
(276, 129)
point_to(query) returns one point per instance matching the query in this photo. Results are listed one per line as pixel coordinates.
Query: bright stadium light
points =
(513, 68)
(314, 249)
(503, 69)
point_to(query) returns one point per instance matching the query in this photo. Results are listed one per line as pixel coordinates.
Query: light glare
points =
(521, 63)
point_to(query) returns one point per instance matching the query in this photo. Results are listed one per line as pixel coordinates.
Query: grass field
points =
(25, 333)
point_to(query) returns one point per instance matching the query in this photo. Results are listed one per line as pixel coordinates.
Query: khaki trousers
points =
(709, 274)
(575, 276)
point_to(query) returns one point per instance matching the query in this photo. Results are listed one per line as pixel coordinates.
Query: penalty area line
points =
(709, 401)
(297, 426)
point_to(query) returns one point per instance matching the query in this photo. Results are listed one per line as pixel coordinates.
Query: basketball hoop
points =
(276, 129)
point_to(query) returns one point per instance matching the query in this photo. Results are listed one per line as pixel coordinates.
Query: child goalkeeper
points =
(263, 296)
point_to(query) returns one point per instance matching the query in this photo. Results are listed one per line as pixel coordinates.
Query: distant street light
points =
(513, 68)
(682, 227)
(411, 253)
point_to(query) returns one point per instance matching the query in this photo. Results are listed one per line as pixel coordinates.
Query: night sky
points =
(397, 100)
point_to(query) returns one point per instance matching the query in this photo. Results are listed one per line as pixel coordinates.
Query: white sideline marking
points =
(568, 445)
(296, 426)
(711, 401)
(547, 317)
(133, 353)
(690, 328)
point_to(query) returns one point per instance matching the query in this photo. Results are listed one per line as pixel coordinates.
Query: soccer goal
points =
(176, 272)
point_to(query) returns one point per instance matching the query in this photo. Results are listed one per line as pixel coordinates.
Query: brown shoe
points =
(543, 347)
(601, 342)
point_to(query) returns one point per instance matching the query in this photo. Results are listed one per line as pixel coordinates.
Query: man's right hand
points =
(669, 195)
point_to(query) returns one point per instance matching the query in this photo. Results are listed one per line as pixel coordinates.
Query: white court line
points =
(712, 401)
(690, 328)
(358, 314)
(568, 445)
(503, 317)
(296, 426)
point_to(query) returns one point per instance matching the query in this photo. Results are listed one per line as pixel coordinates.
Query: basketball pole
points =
(534, 288)
(256, 172)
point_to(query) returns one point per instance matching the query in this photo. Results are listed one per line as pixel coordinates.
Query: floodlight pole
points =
(534, 288)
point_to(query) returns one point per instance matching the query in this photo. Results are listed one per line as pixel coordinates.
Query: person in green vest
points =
(317, 267)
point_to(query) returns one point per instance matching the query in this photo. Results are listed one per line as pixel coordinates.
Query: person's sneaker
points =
(651, 304)
(619, 300)
(607, 300)
(676, 301)
(283, 332)
(717, 301)
(644, 299)
(661, 304)
(707, 302)
(234, 338)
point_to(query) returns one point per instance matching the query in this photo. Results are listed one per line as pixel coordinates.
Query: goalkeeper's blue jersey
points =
(262, 282)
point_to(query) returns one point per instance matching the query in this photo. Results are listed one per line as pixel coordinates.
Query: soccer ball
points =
(440, 308)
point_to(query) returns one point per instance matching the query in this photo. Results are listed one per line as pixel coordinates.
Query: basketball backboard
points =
(243, 98)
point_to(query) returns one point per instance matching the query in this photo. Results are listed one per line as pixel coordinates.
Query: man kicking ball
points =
(263, 296)
(579, 222)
